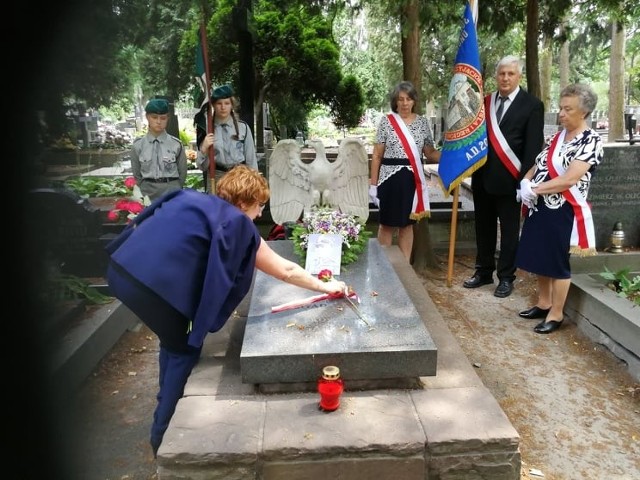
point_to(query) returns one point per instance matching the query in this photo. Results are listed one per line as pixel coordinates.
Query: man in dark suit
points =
(515, 122)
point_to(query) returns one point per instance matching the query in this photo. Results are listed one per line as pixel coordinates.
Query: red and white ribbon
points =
(500, 145)
(310, 300)
(583, 238)
(420, 207)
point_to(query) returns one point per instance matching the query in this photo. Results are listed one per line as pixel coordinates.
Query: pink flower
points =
(128, 208)
(135, 207)
(113, 215)
(325, 275)
(124, 207)
(130, 182)
(122, 204)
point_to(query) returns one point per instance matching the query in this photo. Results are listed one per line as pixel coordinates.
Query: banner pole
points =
(210, 128)
(452, 236)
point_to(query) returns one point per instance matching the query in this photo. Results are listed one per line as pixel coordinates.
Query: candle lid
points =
(330, 373)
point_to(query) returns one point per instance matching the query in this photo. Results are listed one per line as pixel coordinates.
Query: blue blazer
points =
(194, 250)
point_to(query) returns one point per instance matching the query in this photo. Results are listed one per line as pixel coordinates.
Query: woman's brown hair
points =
(243, 185)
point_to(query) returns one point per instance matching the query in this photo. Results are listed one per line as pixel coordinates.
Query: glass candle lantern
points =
(330, 387)
(617, 238)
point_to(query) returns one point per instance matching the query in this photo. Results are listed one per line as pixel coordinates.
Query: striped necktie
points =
(501, 107)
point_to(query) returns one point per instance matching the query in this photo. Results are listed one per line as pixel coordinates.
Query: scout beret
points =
(225, 91)
(157, 105)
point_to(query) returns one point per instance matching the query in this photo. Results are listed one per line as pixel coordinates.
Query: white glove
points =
(527, 195)
(373, 195)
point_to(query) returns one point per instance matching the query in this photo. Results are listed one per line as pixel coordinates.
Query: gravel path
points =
(574, 404)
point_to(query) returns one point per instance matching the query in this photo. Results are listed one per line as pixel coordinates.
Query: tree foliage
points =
(296, 59)
(117, 53)
(349, 94)
(81, 59)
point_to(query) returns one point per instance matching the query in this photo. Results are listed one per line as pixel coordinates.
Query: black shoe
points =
(548, 327)
(504, 289)
(534, 312)
(477, 281)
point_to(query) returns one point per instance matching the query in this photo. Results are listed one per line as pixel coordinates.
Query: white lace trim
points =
(386, 171)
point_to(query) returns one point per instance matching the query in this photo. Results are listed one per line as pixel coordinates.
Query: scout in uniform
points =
(158, 161)
(232, 139)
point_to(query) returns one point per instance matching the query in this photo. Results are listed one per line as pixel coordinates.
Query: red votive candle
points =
(330, 387)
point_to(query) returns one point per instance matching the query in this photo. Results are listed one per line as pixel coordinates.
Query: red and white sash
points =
(420, 206)
(497, 140)
(583, 238)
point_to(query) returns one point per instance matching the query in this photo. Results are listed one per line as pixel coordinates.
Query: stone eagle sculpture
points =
(297, 185)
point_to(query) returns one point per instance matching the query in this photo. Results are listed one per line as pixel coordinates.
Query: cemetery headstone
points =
(614, 194)
(551, 118)
(550, 130)
(70, 232)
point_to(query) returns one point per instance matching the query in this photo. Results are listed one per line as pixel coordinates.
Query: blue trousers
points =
(176, 358)
(175, 368)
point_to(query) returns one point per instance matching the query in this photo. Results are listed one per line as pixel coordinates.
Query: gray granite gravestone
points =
(550, 130)
(293, 346)
(614, 194)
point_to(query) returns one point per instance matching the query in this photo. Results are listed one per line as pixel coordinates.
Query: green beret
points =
(225, 91)
(157, 105)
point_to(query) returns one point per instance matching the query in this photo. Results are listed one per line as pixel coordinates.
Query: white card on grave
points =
(324, 251)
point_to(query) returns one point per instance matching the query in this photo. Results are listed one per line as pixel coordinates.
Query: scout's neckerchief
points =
(497, 140)
(420, 206)
(583, 238)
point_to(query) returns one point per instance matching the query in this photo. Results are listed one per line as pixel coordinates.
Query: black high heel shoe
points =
(548, 326)
(534, 312)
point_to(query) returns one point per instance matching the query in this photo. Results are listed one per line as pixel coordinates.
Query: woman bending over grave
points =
(185, 282)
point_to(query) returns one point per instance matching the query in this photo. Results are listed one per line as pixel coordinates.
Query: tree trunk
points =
(246, 69)
(616, 82)
(531, 47)
(546, 63)
(422, 255)
(564, 59)
(410, 47)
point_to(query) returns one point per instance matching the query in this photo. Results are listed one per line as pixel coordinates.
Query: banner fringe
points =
(467, 173)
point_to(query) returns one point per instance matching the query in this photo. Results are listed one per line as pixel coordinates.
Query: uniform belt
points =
(161, 180)
(225, 168)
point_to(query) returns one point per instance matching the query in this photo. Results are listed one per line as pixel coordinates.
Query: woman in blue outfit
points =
(185, 263)
(559, 221)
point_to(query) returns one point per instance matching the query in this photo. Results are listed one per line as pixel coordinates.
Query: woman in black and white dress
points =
(558, 221)
(397, 183)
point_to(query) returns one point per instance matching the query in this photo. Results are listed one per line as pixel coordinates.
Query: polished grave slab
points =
(391, 341)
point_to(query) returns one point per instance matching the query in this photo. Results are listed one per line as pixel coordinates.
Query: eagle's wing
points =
(288, 182)
(351, 175)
